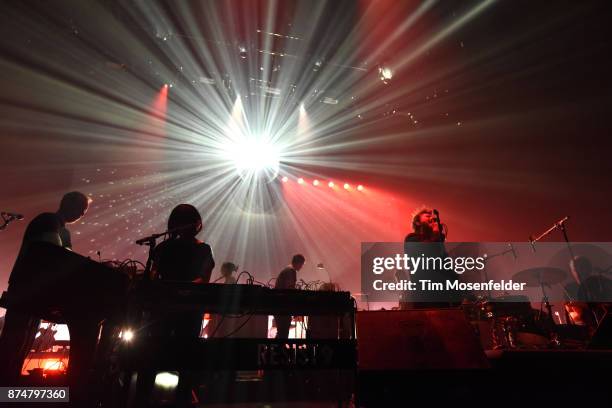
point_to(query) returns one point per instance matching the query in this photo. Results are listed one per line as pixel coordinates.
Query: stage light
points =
(207, 80)
(346, 186)
(242, 51)
(331, 184)
(270, 90)
(285, 179)
(315, 183)
(300, 181)
(126, 335)
(166, 380)
(385, 74)
(360, 187)
(302, 109)
(53, 365)
(317, 65)
(329, 101)
(253, 156)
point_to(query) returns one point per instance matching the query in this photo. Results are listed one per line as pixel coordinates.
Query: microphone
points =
(12, 215)
(440, 225)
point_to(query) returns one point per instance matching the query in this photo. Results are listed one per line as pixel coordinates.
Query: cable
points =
(250, 278)
(212, 335)
(239, 327)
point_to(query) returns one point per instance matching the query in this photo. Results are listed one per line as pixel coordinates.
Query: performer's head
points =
(73, 206)
(227, 269)
(185, 221)
(298, 261)
(581, 268)
(422, 220)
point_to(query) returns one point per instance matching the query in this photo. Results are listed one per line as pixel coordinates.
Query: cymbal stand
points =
(547, 303)
(558, 225)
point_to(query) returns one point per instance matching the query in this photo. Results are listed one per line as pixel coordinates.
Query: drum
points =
(514, 323)
(579, 314)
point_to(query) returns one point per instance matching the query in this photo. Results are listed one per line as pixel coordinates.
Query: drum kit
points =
(514, 324)
(511, 322)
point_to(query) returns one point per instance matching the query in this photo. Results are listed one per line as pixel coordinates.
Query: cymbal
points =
(537, 276)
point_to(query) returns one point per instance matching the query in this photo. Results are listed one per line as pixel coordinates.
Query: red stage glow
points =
(159, 105)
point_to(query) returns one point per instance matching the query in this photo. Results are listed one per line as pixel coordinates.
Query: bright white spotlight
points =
(285, 179)
(300, 181)
(302, 109)
(166, 380)
(254, 157)
(315, 183)
(347, 186)
(385, 74)
(360, 187)
(126, 335)
(331, 184)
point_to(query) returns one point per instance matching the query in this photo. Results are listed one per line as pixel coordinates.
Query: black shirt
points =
(286, 279)
(45, 227)
(183, 260)
(416, 245)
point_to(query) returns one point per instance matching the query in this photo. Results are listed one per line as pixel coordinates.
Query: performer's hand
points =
(435, 227)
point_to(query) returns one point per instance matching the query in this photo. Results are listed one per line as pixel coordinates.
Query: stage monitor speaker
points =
(417, 339)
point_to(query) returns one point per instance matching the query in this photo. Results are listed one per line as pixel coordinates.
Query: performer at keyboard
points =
(227, 273)
(21, 326)
(427, 238)
(286, 280)
(182, 257)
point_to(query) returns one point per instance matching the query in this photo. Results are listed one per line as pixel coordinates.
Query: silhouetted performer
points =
(21, 326)
(182, 257)
(424, 227)
(286, 280)
(227, 273)
(427, 239)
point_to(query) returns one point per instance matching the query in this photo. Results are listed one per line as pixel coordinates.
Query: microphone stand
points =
(151, 242)
(489, 257)
(558, 225)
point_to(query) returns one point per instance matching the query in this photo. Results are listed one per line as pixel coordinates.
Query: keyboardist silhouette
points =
(21, 322)
(182, 257)
(286, 280)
